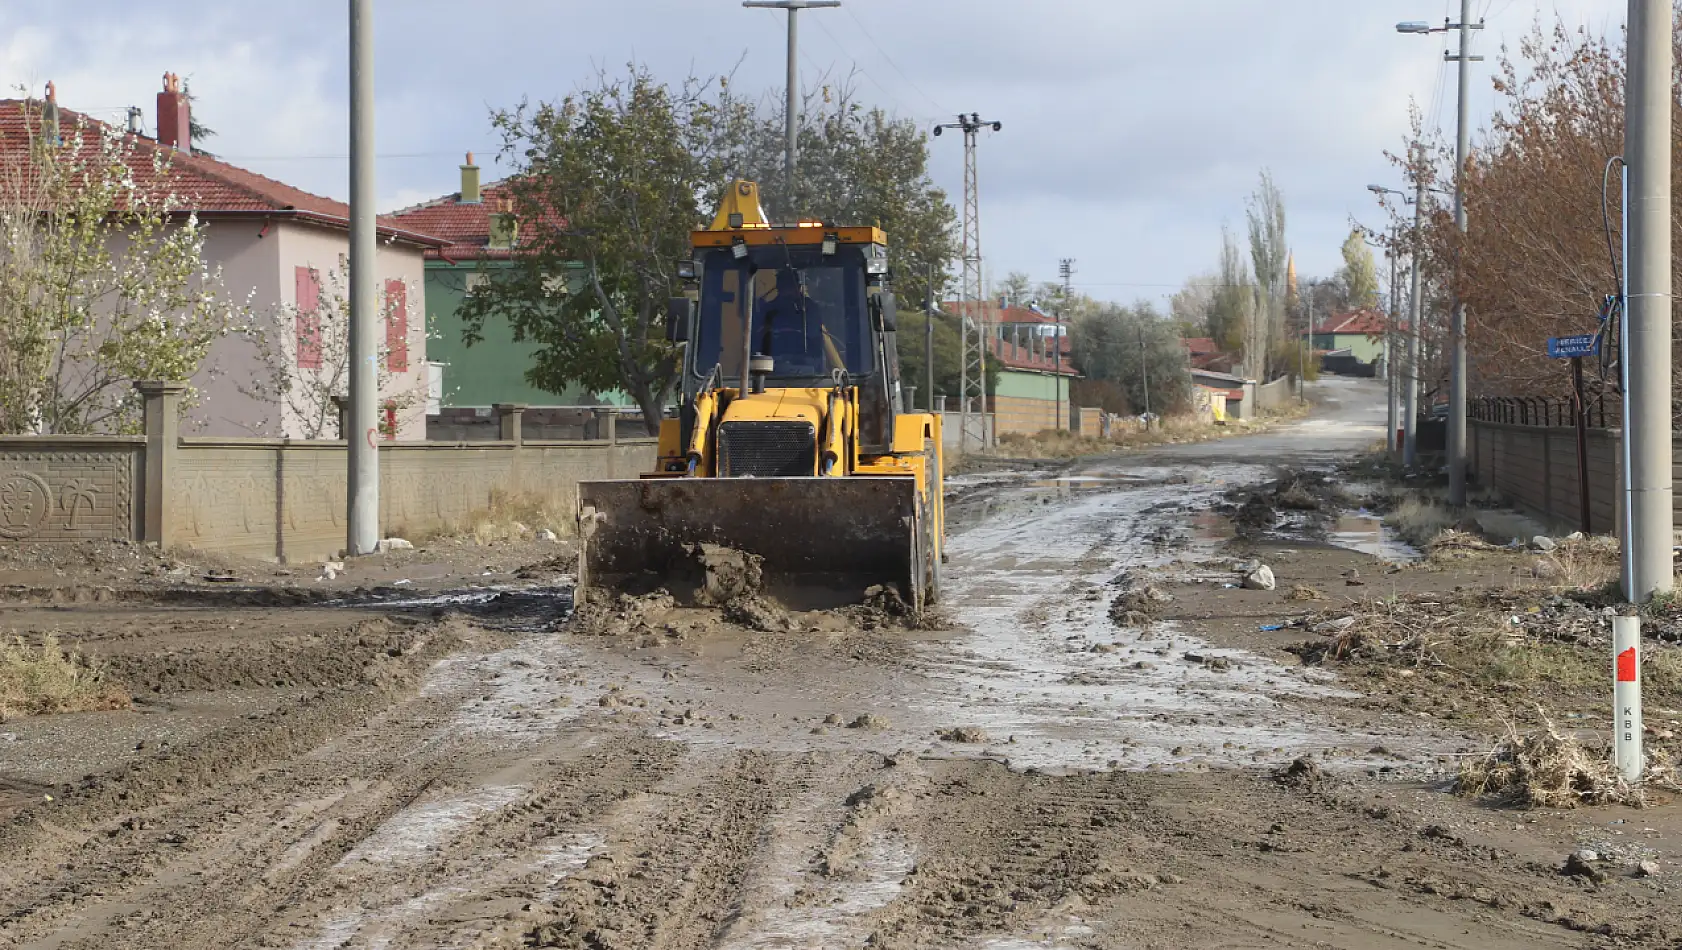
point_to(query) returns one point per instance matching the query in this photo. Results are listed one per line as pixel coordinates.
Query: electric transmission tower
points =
(972, 293)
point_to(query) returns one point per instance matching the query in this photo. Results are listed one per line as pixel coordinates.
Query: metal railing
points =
(1543, 410)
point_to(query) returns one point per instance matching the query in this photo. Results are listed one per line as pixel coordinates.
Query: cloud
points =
(1132, 130)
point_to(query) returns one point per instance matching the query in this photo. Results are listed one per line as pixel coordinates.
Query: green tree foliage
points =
(1233, 304)
(857, 166)
(1125, 346)
(948, 353)
(102, 282)
(1360, 273)
(615, 177)
(1017, 287)
(610, 178)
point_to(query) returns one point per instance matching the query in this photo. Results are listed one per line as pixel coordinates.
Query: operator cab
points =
(803, 307)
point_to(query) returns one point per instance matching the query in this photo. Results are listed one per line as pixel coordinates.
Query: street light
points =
(791, 147)
(1457, 315)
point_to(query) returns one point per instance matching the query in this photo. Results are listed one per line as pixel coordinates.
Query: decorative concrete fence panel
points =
(69, 488)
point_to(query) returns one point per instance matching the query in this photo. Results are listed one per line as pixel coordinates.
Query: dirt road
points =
(434, 765)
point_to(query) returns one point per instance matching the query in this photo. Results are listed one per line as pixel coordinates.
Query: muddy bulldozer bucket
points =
(823, 541)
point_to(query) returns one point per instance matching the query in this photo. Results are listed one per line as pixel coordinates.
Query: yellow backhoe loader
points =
(790, 441)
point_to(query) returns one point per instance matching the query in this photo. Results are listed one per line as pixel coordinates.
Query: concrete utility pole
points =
(972, 304)
(1647, 153)
(1416, 314)
(791, 149)
(1457, 317)
(363, 496)
(928, 337)
(1393, 383)
(1065, 267)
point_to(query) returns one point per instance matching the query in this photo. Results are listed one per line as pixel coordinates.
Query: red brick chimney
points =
(175, 121)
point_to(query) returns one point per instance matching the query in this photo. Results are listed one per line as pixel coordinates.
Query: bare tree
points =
(1268, 256)
(304, 351)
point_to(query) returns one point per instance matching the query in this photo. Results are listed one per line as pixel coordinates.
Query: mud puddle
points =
(1047, 676)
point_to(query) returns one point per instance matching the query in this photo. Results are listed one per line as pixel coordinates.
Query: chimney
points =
(135, 118)
(469, 182)
(49, 117)
(505, 227)
(175, 122)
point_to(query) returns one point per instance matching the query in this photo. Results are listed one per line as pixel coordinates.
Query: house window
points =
(477, 280)
(396, 326)
(308, 288)
(555, 285)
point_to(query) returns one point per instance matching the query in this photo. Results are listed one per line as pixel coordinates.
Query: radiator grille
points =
(767, 449)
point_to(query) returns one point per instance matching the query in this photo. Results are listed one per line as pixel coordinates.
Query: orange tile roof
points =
(465, 226)
(201, 184)
(1354, 323)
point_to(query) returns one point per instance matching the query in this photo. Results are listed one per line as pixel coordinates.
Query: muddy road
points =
(442, 763)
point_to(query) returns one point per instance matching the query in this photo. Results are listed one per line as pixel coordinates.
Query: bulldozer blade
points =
(823, 541)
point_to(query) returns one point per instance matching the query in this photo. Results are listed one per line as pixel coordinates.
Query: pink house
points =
(274, 244)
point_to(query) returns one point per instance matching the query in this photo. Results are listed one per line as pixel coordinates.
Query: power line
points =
(867, 35)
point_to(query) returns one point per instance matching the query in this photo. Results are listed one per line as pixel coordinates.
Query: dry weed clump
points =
(1544, 769)
(515, 518)
(46, 679)
(1419, 521)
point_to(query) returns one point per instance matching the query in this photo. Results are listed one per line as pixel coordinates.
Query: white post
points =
(1626, 697)
(363, 497)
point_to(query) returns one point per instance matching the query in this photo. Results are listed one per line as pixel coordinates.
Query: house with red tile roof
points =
(274, 244)
(1032, 350)
(482, 236)
(1361, 332)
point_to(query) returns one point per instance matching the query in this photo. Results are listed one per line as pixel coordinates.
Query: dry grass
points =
(515, 518)
(1418, 520)
(46, 679)
(1055, 444)
(1545, 769)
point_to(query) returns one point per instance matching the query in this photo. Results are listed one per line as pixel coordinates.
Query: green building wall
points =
(1029, 385)
(492, 370)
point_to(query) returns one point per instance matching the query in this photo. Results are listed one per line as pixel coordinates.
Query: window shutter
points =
(308, 289)
(396, 326)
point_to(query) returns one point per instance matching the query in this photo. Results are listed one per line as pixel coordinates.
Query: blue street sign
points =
(1583, 344)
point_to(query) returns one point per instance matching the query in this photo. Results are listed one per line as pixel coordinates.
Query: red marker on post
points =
(1626, 697)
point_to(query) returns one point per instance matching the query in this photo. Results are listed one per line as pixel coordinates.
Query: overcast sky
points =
(1132, 130)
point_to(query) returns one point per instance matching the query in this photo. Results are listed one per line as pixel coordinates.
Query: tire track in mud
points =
(252, 826)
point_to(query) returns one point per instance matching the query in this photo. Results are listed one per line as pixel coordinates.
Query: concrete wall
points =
(1274, 395)
(1090, 422)
(1536, 468)
(70, 488)
(1027, 416)
(275, 498)
(286, 500)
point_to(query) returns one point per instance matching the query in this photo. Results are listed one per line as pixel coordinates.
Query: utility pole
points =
(1145, 374)
(928, 338)
(1393, 384)
(363, 496)
(791, 149)
(1457, 315)
(1065, 267)
(1416, 315)
(1647, 153)
(1457, 320)
(972, 304)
